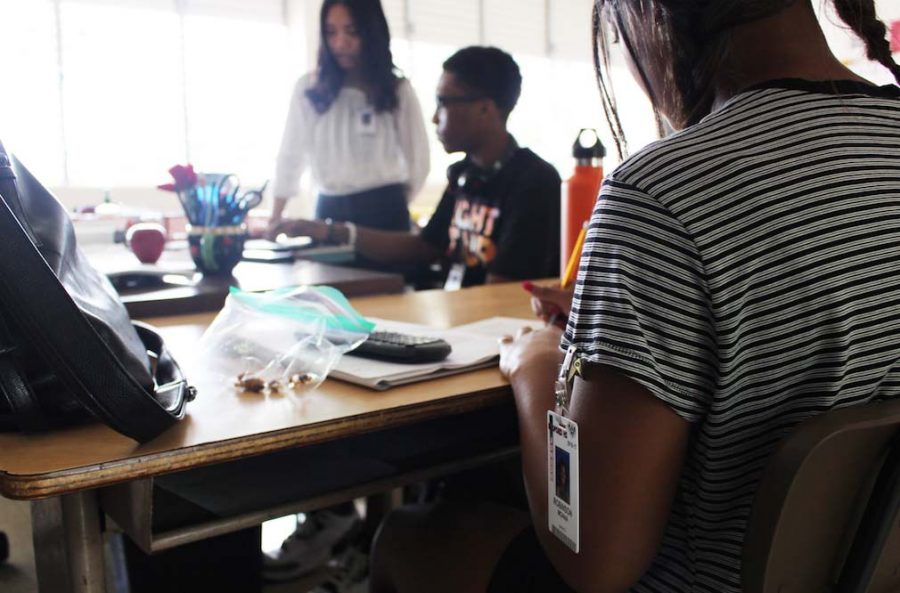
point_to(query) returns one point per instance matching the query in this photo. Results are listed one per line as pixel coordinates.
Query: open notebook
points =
(474, 347)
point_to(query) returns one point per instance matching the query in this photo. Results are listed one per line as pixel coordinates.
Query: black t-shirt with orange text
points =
(503, 223)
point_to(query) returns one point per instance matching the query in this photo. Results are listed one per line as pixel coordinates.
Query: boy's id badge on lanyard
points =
(365, 121)
(562, 460)
(455, 276)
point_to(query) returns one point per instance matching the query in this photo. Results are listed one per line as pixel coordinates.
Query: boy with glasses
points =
(498, 219)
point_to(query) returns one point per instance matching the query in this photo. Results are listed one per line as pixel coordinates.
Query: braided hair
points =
(860, 16)
(696, 36)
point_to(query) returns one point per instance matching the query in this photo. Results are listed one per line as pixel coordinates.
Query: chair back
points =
(824, 519)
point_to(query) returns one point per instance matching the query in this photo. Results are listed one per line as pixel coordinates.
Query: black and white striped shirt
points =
(746, 271)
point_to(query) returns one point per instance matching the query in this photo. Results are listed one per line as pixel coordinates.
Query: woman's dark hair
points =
(489, 71)
(697, 35)
(377, 64)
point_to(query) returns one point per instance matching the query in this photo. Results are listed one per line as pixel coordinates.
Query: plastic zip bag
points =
(285, 340)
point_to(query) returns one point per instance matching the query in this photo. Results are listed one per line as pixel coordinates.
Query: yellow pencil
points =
(574, 258)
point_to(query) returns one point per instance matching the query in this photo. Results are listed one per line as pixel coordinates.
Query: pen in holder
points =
(216, 214)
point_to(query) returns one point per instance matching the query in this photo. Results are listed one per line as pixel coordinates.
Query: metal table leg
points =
(68, 544)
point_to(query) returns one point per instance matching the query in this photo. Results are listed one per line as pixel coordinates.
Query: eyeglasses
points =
(445, 101)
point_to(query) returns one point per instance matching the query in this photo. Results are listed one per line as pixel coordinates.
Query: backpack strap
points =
(9, 193)
(14, 387)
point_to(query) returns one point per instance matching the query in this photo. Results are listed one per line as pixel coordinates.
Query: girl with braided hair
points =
(738, 277)
(699, 36)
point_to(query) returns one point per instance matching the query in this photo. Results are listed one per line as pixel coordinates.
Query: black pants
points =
(380, 208)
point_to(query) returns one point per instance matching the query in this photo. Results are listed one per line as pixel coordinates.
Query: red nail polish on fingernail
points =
(528, 285)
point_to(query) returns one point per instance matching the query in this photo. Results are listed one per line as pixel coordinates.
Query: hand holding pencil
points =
(550, 303)
(574, 258)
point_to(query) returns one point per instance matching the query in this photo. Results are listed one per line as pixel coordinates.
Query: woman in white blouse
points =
(356, 124)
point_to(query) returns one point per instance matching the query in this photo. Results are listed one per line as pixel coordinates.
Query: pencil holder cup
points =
(216, 250)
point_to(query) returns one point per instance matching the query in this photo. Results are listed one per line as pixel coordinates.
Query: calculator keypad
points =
(400, 339)
(400, 347)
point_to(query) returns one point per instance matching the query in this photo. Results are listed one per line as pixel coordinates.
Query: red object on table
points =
(147, 241)
(895, 36)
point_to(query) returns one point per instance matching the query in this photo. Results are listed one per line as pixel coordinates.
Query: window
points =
(107, 93)
(239, 83)
(112, 93)
(30, 102)
(121, 93)
(549, 39)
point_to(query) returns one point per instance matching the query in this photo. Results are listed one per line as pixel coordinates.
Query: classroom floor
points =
(18, 576)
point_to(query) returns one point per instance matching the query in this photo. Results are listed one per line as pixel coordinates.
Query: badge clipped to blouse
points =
(562, 458)
(365, 121)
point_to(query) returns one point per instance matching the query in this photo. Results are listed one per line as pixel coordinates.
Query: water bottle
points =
(579, 192)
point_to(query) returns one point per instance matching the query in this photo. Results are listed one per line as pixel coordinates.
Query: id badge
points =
(455, 277)
(365, 121)
(562, 473)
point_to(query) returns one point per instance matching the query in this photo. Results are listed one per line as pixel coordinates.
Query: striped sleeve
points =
(641, 303)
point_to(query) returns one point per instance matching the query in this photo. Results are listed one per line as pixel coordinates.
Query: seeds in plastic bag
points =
(274, 386)
(301, 379)
(250, 382)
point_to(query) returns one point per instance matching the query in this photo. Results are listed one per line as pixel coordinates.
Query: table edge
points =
(55, 483)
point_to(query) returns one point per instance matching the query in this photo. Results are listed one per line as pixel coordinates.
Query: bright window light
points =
(111, 94)
(239, 83)
(122, 94)
(29, 103)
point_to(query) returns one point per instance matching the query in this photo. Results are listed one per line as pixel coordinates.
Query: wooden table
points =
(194, 293)
(69, 466)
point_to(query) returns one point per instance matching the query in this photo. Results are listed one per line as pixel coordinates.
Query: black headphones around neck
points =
(473, 178)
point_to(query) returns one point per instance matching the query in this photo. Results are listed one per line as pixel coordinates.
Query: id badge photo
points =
(562, 487)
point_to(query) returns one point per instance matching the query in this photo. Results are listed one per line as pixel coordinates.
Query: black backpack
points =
(68, 350)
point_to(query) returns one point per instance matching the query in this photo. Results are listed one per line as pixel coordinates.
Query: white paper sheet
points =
(474, 346)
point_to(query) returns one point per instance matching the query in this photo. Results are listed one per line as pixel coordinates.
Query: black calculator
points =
(399, 347)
